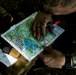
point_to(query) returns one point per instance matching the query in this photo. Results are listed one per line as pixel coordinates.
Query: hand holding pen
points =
(42, 22)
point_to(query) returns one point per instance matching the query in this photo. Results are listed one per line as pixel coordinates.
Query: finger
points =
(49, 65)
(42, 55)
(43, 29)
(34, 28)
(51, 28)
(38, 30)
(44, 46)
(48, 49)
(38, 33)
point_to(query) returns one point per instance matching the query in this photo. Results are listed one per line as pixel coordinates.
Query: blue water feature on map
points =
(29, 44)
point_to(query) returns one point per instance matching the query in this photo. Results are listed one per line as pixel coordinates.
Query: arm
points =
(47, 8)
(57, 7)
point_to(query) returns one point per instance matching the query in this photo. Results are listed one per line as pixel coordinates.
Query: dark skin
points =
(39, 24)
(41, 20)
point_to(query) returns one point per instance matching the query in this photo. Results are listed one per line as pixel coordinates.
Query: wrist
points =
(41, 12)
(46, 9)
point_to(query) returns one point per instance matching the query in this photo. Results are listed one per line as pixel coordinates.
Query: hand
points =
(40, 23)
(53, 59)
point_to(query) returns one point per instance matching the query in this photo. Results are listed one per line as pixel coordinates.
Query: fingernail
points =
(34, 35)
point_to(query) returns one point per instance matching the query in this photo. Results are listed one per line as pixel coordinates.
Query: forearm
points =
(44, 6)
(57, 7)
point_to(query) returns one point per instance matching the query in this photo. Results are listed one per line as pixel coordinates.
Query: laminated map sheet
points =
(20, 37)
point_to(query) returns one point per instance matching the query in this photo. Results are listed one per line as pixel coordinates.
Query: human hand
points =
(40, 23)
(53, 58)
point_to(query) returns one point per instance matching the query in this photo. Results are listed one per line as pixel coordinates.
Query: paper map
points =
(21, 38)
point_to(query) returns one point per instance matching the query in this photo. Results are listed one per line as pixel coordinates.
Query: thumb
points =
(42, 55)
(48, 49)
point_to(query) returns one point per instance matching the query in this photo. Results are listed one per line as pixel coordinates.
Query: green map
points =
(21, 38)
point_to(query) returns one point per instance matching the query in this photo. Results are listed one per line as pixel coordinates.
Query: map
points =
(21, 38)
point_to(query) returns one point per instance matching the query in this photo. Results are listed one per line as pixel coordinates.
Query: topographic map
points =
(21, 38)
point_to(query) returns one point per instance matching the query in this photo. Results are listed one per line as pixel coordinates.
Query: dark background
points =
(64, 43)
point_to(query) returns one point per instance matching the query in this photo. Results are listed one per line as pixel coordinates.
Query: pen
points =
(57, 22)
